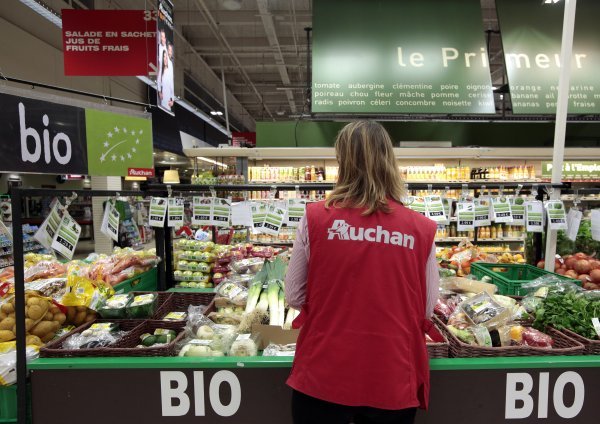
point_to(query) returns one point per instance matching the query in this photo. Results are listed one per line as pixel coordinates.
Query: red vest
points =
(362, 341)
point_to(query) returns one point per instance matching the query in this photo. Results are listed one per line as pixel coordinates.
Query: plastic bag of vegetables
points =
(236, 293)
(245, 345)
(204, 338)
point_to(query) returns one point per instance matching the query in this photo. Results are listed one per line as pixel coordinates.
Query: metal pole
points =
(562, 107)
(17, 232)
(225, 97)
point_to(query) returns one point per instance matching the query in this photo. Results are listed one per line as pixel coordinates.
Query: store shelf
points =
(275, 243)
(6, 253)
(502, 240)
(442, 153)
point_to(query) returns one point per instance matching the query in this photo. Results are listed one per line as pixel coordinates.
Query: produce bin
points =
(180, 302)
(563, 346)
(509, 277)
(8, 404)
(146, 281)
(592, 347)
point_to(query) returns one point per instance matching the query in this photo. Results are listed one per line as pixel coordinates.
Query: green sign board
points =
(574, 170)
(385, 56)
(117, 143)
(531, 37)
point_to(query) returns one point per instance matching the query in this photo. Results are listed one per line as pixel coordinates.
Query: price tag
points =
(296, 210)
(241, 214)
(465, 213)
(66, 237)
(482, 212)
(273, 219)
(517, 207)
(573, 222)
(221, 212)
(110, 221)
(557, 218)
(158, 212)
(202, 210)
(417, 204)
(175, 212)
(45, 234)
(435, 209)
(534, 216)
(595, 224)
(259, 212)
(501, 209)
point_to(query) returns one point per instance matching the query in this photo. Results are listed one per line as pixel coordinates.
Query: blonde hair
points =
(368, 175)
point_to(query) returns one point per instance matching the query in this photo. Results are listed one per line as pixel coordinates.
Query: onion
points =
(580, 255)
(571, 274)
(570, 263)
(561, 271)
(583, 278)
(594, 264)
(582, 266)
(541, 264)
(595, 276)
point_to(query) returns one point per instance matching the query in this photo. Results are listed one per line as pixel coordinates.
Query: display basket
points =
(510, 277)
(563, 345)
(437, 350)
(127, 345)
(180, 302)
(146, 281)
(592, 347)
(55, 349)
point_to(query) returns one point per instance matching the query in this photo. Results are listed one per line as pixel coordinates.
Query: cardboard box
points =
(274, 334)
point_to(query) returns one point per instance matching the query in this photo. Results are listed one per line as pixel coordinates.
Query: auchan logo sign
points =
(344, 231)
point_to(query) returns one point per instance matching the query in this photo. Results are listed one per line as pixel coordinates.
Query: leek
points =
(289, 318)
(253, 296)
(273, 297)
(263, 303)
(281, 308)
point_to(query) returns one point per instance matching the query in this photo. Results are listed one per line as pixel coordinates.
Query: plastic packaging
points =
(142, 306)
(98, 335)
(466, 285)
(245, 345)
(280, 350)
(482, 309)
(244, 266)
(116, 306)
(236, 293)
(8, 361)
(203, 337)
(45, 269)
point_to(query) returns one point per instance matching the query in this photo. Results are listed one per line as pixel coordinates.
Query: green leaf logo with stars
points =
(116, 143)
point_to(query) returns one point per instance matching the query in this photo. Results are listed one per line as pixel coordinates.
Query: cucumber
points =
(148, 339)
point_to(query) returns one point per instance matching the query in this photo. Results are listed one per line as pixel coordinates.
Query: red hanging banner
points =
(109, 42)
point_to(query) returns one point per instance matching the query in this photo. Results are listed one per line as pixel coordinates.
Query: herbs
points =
(573, 311)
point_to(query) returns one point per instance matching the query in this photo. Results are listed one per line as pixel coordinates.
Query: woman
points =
(166, 82)
(365, 286)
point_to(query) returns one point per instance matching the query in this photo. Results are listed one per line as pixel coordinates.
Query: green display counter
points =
(252, 390)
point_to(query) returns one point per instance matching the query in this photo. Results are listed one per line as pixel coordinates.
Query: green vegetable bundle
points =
(571, 311)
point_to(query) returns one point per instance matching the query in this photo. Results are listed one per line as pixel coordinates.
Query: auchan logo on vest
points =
(344, 231)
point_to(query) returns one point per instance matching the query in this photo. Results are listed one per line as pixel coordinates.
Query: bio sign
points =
(46, 137)
(238, 395)
(385, 57)
(531, 38)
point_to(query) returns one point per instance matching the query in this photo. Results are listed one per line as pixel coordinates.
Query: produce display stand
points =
(253, 390)
(65, 375)
(146, 281)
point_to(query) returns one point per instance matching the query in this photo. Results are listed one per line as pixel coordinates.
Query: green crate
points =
(509, 277)
(8, 404)
(146, 281)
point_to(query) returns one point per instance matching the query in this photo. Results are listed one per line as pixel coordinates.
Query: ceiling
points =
(260, 47)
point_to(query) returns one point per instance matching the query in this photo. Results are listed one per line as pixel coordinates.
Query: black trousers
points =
(309, 410)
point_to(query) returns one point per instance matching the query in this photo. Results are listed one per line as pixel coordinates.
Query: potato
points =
(7, 308)
(71, 312)
(6, 335)
(7, 323)
(49, 316)
(35, 312)
(89, 317)
(29, 323)
(3, 316)
(79, 318)
(42, 328)
(33, 301)
(81, 308)
(60, 318)
(55, 326)
(54, 309)
(33, 340)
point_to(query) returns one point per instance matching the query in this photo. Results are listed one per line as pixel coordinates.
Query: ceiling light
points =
(216, 112)
(550, 1)
(232, 4)
(201, 115)
(280, 112)
(172, 158)
(44, 10)
(222, 165)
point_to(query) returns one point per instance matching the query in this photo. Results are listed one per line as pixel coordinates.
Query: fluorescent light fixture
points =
(202, 115)
(43, 10)
(222, 165)
(216, 113)
(550, 1)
